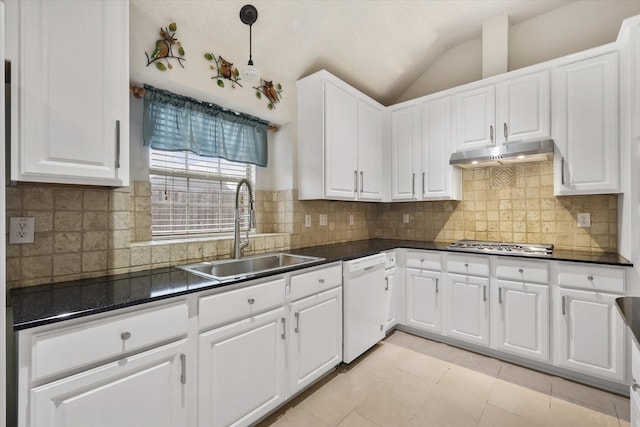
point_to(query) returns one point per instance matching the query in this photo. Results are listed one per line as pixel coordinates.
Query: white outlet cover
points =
(584, 220)
(323, 219)
(21, 229)
(351, 219)
(405, 218)
(307, 220)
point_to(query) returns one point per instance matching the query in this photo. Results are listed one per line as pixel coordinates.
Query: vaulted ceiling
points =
(378, 46)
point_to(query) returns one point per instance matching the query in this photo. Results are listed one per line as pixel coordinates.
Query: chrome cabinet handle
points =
(437, 290)
(361, 181)
(183, 368)
(491, 134)
(386, 285)
(413, 184)
(355, 182)
(423, 188)
(564, 306)
(484, 294)
(251, 301)
(125, 335)
(500, 295)
(284, 328)
(562, 170)
(506, 133)
(297, 328)
(117, 144)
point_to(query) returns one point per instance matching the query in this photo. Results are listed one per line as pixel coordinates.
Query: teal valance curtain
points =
(179, 123)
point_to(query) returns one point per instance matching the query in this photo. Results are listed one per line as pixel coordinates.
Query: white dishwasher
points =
(364, 314)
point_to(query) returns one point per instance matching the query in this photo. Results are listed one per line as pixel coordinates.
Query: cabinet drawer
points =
(468, 265)
(424, 260)
(522, 271)
(239, 304)
(62, 349)
(315, 281)
(592, 278)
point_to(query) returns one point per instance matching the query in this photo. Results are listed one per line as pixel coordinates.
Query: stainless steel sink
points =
(237, 268)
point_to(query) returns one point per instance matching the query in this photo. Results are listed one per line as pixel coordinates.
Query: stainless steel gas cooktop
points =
(532, 249)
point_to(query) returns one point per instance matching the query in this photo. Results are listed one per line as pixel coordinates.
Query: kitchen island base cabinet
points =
(147, 389)
(423, 300)
(522, 319)
(316, 337)
(241, 370)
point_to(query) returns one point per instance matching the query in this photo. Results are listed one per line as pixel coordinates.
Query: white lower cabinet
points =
(634, 392)
(391, 301)
(241, 370)
(424, 306)
(468, 308)
(315, 337)
(521, 323)
(148, 389)
(591, 334)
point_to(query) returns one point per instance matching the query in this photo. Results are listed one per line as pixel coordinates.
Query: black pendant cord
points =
(250, 48)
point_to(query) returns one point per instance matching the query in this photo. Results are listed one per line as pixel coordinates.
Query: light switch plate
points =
(584, 220)
(21, 229)
(307, 221)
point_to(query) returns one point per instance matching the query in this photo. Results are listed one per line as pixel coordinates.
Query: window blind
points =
(177, 123)
(192, 194)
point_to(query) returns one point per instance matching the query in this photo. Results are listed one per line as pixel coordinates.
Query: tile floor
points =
(410, 381)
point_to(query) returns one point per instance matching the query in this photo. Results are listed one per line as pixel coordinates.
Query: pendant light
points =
(248, 16)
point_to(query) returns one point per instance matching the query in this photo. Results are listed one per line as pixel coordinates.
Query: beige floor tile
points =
(568, 414)
(336, 399)
(444, 411)
(356, 420)
(584, 395)
(296, 417)
(396, 400)
(524, 377)
(435, 349)
(479, 363)
(518, 400)
(497, 417)
(623, 408)
(382, 361)
(424, 366)
(470, 388)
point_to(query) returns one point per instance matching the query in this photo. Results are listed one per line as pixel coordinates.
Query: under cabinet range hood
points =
(506, 154)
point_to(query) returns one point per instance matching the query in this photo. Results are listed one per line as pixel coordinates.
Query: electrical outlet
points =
(405, 218)
(351, 219)
(307, 221)
(323, 219)
(21, 229)
(584, 220)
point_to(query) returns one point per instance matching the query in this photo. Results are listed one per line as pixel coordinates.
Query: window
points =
(191, 194)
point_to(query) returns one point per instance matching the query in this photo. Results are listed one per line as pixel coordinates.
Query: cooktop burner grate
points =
(477, 246)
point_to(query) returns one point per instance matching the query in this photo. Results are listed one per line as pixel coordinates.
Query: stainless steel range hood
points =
(506, 154)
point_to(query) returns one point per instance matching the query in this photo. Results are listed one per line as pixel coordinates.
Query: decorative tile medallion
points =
(502, 177)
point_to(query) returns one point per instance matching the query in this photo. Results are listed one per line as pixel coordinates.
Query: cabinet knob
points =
(520, 271)
(635, 386)
(251, 300)
(590, 278)
(466, 265)
(125, 335)
(421, 260)
(321, 280)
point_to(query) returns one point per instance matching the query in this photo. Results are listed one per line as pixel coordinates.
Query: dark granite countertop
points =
(629, 308)
(43, 304)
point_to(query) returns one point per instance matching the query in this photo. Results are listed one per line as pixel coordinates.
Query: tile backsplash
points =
(88, 232)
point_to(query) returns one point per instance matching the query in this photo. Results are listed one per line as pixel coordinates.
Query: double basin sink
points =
(243, 267)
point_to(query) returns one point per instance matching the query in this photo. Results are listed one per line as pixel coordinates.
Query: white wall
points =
(572, 28)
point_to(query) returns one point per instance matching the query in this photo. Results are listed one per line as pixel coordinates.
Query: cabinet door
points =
(474, 118)
(586, 126)
(241, 370)
(423, 300)
(341, 143)
(521, 324)
(147, 389)
(391, 302)
(439, 179)
(523, 108)
(316, 337)
(73, 110)
(468, 308)
(405, 152)
(591, 334)
(369, 152)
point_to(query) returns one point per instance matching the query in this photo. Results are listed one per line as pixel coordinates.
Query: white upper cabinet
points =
(405, 152)
(523, 108)
(475, 116)
(586, 126)
(512, 110)
(72, 119)
(339, 141)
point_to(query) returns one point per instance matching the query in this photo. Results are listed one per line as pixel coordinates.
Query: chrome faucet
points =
(238, 245)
